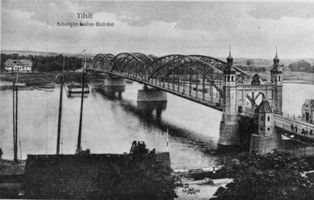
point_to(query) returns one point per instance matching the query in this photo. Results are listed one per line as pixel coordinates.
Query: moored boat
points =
(76, 88)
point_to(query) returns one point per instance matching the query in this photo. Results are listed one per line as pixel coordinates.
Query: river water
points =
(110, 125)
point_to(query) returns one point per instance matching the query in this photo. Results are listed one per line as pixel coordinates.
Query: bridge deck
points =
(182, 91)
(295, 126)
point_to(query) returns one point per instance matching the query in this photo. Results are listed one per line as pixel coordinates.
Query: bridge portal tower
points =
(276, 80)
(228, 135)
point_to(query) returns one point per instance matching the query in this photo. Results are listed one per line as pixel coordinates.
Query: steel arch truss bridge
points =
(195, 77)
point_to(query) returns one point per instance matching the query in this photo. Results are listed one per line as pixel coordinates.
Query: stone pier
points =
(113, 86)
(150, 99)
(263, 144)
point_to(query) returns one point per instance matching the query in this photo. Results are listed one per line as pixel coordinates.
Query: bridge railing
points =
(181, 88)
(294, 117)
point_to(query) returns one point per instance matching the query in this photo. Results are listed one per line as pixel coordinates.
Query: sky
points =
(252, 29)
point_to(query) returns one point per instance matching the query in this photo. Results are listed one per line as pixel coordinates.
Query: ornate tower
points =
(264, 140)
(264, 119)
(229, 124)
(276, 80)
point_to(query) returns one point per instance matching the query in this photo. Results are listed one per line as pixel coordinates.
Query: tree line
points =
(46, 63)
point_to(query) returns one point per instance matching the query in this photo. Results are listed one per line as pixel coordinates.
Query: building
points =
(308, 110)
(264, 117)
(264, 140)
(18, 65)
(99, 176)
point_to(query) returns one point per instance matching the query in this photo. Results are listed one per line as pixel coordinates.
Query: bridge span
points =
(210, 82)
(194, 77)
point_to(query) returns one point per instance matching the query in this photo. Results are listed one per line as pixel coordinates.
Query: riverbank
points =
(43, 79)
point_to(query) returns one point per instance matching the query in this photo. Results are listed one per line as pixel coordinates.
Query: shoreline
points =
(41, 78)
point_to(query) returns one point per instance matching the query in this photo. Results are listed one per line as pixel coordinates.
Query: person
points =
(1, 153)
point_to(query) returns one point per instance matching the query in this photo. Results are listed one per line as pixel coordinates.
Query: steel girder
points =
(106, 62)
(241, 75)
(130, 62)
(167, 65)
(150, 66)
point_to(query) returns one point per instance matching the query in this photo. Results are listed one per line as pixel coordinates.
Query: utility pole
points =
(79, 148)
(15, 118)
(60, 110)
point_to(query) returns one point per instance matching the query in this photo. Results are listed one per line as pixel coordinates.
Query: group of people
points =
(303, 132)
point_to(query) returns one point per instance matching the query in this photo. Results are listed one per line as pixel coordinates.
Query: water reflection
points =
(111, 124)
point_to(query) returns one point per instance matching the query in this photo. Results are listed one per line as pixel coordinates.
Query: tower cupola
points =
(276, 71)
(276, 59)
(229, 68)
(230, 73)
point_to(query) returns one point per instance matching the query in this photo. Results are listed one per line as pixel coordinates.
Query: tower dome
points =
(229, 69)
(276, 59)
(229, 58)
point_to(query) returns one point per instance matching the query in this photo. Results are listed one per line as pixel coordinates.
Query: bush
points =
(272, 176)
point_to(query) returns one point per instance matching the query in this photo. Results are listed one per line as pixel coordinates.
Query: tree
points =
(250, 62)
(301, 66)
(276, 176)
(46, 63)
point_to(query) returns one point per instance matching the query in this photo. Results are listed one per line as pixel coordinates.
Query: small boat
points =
(48, 86)
(128, 81)
(76, 89)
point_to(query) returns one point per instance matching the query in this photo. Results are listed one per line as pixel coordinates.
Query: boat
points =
(75, 88)
(47, 87)
(128, 81)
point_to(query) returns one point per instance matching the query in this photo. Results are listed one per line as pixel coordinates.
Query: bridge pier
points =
(149, 99)
(228, 133)
(113, 86)
(263, 144)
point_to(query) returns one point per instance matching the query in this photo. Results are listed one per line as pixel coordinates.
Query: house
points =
(99, 176)
(18, 65)
(308, 110)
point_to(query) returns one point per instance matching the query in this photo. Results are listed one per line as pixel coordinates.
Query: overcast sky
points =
(252, 29)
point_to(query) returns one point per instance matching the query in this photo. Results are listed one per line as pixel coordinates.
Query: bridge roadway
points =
(295, 126)
(181, 90)
(290, 124)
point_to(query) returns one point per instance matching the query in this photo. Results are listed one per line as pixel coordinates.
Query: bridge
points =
(194, 77)
(208, 81)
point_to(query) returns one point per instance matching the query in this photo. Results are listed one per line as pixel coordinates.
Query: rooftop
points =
(264, 107)
(82, 176)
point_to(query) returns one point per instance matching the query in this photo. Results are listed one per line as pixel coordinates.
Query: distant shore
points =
(43, 78)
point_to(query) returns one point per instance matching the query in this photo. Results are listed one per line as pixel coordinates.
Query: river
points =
(110, 126)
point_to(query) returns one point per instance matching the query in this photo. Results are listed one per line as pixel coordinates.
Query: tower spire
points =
(276, 59)
(276, 51)
(229, 50)
(229, 61)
